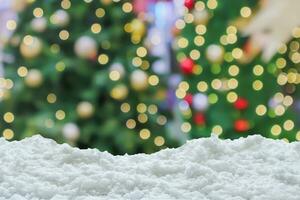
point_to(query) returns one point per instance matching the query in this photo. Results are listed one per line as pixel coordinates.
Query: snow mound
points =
(250, 168)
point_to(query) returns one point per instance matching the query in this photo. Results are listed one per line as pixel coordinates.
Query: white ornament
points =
(274, 102)
(60, 18)
(34, 78)
(39, 24)
(139, 80)
(200, 17)
(85, 109)
(273, 25)
(117, 67)
(119, 92)
(161, 66)
(85, 47)
(215, 53)
(32, 48)
(200, 102)
(71, 131)
(183, 106)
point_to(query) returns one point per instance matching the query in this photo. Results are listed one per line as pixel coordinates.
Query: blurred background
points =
(142, 75)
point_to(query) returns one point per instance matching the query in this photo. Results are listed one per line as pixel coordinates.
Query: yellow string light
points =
(199, 40)
(258, 70)
(276, 130)
(237, 53)
(200, 29)
(231, 30)
(127, 7)
(180, 24)
(8, 117)
(60, 115)
(51, 98)
(100, 12)
(153, 80)
(296, 32)
(183, 85)
(282, 79)
(233, 70)
(186, 127)
(152, 109)
(202, 86)
(159, 141)
(141, 108)
(125, 107)
(22, 71)
(218, 130)
(195, 54)
(212, 4)
(288, 125)
(96, 28)
(161, 120)
(11, 25)
(64, 35)
(298, 136)
(261, 110)
(182, 42)
(142, 118)
(231, 97)
(130, 123)
(245, 12)
(38, 12)
(188, 18)
(114, 75)
(279, 110)
(257, 85)
(8, 134)
(145, 134)
(65, 4)
(60, 66)
(103, 59)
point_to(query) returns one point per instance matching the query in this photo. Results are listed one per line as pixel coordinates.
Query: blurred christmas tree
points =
(287, 63)
(82, 75)
(227, 89)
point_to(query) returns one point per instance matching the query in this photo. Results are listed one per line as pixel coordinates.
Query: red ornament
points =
(187, 65)
(241, 103)
(241, 125)
(188, 98)
(199, 119)
(189, 4)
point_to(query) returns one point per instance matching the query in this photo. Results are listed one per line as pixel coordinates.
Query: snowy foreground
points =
(254, 169)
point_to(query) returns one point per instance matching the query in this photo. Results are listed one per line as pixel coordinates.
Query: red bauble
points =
(187, 65)
(241, 125)
(199, 119)
(241, 103)
(189, 4)
(189, 98)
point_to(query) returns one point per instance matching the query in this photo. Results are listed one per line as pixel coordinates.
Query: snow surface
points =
(254, 169)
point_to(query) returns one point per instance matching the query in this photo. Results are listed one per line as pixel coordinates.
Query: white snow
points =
(253, 168)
